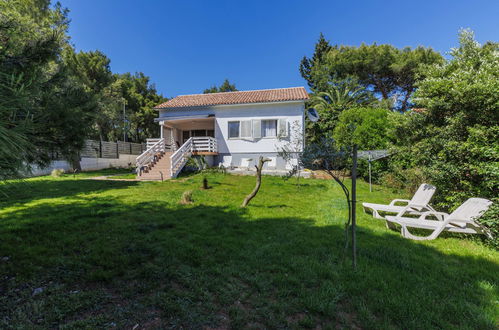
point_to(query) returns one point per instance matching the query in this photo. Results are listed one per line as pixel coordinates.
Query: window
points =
(240, 129)
(233, 129)
(269, 128)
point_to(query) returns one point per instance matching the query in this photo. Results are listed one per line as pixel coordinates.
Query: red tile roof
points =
(242, 97)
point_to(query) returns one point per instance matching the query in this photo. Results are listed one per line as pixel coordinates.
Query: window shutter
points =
(257, 128)
(283, 127)
(245, 128)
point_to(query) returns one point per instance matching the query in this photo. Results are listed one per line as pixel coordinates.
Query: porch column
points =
(161, 127)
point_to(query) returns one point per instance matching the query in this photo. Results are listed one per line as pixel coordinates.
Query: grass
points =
(127, 176)
(117, 254)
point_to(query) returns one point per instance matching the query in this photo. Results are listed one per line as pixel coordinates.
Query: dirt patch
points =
(295, 318)
(110, 178)
(325, 176)
(224, 321)
(346, 316)
(155, 323)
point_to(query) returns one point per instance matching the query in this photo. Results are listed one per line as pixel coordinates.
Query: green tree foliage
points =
(16, 126)
(111, 92)
(226, 86)
(336, 98)
(309, 67)
(140, 97)
(51, 98)
(366, 127)
(68, 109)
(94, 69)
(389, 72)
(455, 141)
(33, 84)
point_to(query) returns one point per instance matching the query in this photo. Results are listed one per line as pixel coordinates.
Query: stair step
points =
(158, 169)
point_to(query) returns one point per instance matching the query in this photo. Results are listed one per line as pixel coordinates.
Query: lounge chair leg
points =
(390, 225)
(406, 234)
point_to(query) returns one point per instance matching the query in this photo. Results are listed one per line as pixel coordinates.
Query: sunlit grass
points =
(117, 253)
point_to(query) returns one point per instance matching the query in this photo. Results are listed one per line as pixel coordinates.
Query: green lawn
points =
(116, 254)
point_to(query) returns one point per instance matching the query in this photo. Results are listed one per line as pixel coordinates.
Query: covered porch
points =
(199, 131)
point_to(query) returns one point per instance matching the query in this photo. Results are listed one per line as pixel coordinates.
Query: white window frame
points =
(276, 128)
(238, 131)
(239, 137)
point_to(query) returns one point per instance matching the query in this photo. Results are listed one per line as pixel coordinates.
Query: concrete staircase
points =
(157, 170)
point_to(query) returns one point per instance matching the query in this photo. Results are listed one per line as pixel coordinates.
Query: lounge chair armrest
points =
(439, 215)
(406, 208)
(392, 203)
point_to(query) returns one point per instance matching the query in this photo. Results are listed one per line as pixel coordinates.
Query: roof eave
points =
(229, 105)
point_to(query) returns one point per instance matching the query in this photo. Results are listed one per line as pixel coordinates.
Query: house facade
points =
(234, 128)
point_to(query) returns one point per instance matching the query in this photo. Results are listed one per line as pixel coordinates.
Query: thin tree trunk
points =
(259, 167)
(74, 161)
(406, 100)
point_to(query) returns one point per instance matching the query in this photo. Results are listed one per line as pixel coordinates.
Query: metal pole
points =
(354, 196)
(370, 184)
(124, 122)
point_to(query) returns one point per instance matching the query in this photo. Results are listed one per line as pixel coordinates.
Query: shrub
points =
(205, 184)
(186, 198)
(491, 220)
(407, 179)
(378, 169)
(221, 170)
(57, 172)
(455, 140)
(195, 164)
(366, 127)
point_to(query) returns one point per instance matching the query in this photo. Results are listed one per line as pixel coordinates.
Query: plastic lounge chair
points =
(462, 220)
(418, 203)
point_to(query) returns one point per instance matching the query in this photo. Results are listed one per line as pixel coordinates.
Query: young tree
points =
(326, 155)
(290, 148)
(259, 167)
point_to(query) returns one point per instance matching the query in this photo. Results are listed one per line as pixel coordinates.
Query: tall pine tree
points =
(309, 66)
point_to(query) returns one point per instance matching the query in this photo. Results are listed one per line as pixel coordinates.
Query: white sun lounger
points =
(462, 220)
(419, 203)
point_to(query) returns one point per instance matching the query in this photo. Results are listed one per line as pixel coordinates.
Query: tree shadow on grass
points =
(103, 262)
(23, 191)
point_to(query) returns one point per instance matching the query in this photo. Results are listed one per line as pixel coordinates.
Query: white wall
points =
(293, 112)
(88, 164)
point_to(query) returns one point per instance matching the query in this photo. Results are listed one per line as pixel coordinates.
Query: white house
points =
(231, 129)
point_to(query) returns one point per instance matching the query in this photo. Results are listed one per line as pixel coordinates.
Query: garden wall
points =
(88, 164)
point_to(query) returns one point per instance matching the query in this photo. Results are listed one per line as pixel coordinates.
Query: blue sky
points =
(187, 46)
